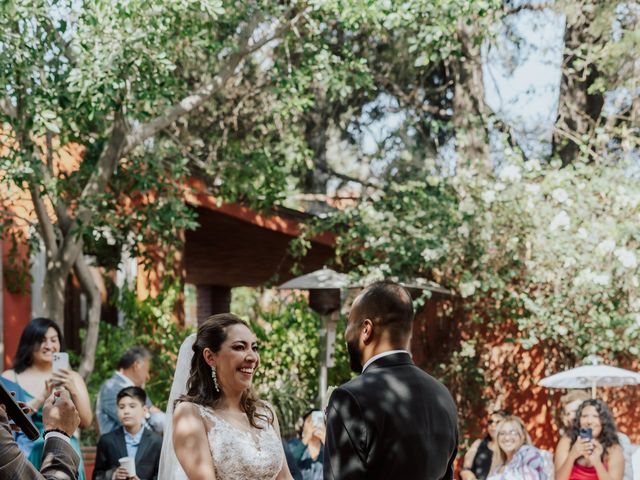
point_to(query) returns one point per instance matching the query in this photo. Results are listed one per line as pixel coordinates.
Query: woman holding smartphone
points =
(591, 451)
(34, 377)
(307, 450)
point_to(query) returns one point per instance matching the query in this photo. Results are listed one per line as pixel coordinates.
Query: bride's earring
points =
(215, 378)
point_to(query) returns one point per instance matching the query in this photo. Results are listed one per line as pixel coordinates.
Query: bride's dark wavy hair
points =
(608, 436)
(212, 333)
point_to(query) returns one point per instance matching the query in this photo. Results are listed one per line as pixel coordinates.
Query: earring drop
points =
(215, 379)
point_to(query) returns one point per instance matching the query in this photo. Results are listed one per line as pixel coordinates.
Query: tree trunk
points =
(578, 110)
(90, 288)
(53, 294)
(469, 109)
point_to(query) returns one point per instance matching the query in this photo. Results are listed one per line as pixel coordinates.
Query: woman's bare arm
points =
(615, 463)
(466, 473)
(284, 473)
(191, 444)
(82, 401)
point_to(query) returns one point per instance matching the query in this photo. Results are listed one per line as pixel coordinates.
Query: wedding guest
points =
(131, 440)
(308, 448)
(479, 459)
(517, 458)
(33, 379)
(594, 455)
(60, 461)
(132, 370)
(570, 403)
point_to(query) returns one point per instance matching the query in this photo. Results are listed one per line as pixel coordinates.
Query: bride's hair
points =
(212, 333)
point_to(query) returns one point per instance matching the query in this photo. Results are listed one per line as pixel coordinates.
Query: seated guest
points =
(479, 459)
(132, 370)
(596, 455)
(308, 449)
(570, 403)
(517, 458)
(132, 440)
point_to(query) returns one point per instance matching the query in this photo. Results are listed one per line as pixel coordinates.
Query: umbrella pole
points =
(593, 390)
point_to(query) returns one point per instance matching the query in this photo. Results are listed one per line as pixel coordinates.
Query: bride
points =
(220, 429)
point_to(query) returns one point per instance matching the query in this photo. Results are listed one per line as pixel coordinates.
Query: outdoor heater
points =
(325, 287)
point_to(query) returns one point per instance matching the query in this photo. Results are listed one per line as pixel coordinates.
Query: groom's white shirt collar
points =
(380, 355)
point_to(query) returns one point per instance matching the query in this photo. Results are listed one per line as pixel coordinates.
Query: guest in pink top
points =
(598, 458)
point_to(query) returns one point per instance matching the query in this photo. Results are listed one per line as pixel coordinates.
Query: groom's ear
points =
(367, 330)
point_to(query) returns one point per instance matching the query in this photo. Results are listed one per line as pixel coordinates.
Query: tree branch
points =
(45, 223)
(201, 95)
(72, 244)
(90, 288)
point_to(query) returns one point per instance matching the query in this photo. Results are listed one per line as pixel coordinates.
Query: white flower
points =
(532, 188)
(583, 233)
(429, 254)
(510, 173)
(488, 196)
(626, 257)
(463, 230)
(602, 278)
(560, 195)
(562, 330)
(467, 206)
(468, 288)
(561, 220)
(606, 246)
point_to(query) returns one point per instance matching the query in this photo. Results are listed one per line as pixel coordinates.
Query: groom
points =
(394, 420)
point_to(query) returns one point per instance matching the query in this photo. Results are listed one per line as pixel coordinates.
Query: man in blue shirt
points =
(131, 440)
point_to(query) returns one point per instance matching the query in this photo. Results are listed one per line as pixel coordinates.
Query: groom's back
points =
(392, 422)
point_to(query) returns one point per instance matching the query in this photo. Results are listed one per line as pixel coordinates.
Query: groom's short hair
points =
(388, 305)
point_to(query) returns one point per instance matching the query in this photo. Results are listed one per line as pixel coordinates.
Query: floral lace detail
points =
(240, 454)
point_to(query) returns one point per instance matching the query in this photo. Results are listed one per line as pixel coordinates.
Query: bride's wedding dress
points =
(239, 452)
(242, 453)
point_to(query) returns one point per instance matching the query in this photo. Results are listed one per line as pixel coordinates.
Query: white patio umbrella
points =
(592, 376)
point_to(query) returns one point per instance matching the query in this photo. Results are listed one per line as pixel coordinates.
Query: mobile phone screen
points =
(60, 361)
(586, 433)
(317, 418)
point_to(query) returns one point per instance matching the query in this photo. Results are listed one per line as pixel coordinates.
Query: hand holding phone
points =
(15, 413)
(317, 419)
(586, 433)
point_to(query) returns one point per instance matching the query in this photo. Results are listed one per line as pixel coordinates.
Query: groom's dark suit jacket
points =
(393, 422)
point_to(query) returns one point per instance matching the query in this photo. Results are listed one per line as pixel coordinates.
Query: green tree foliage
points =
(289, 337)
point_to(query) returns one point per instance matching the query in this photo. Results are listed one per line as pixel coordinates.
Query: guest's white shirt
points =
(380, 355)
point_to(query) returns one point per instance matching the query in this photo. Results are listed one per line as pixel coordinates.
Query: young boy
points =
(132, 440)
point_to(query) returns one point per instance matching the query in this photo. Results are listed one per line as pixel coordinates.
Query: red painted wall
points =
(16, 308)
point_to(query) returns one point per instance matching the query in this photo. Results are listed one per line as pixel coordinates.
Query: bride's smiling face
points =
(237, 360)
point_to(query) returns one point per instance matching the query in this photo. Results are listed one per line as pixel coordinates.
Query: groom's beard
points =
(355, 356)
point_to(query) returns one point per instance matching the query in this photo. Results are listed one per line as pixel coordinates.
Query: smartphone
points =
(586, 433)
(317, 418)
(15, 413)
(61, 361)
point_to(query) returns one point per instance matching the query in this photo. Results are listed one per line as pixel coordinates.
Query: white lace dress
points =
(242, 453)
